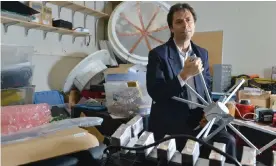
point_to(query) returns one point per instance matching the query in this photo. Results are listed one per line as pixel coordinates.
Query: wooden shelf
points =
(115, 3)
(80, 8)
(6, 21)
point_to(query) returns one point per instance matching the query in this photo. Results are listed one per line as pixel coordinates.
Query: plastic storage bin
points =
(17, 96)
(16, 66)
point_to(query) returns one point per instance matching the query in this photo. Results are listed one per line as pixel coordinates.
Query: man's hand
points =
(192, 67)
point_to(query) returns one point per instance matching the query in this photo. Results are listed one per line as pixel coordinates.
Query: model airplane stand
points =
(132, 135)
(218, 113)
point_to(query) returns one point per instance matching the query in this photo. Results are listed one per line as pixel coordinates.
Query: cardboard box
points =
(273, 102)
(273, 74)
(47, 16)
(274, 70)
(262, 100)
(122, 69)
(57, 144)
(38, 6)
(274, 77)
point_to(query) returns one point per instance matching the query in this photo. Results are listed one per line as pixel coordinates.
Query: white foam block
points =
(145, 139)
(136, 124)
(248, 156)
(216, 159)
(121, 136)
(130, 144)
(190, 153)
(166, 150)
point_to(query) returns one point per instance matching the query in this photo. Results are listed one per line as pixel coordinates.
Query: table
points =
(256, 126)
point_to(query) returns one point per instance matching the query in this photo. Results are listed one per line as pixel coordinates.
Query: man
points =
(169, 68)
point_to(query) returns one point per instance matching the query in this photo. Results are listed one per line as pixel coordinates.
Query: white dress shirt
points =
(183, 56)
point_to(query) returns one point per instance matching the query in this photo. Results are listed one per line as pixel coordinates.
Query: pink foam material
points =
(19, 117)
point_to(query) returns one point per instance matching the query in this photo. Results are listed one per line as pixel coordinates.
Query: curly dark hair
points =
(178, 7)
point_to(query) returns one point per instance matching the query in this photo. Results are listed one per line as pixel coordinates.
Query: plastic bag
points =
(16, 118)
(124, 101)
(51, 128)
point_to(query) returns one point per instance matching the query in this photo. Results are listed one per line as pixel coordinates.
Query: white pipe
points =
(267, 146)
(243, 137)
(188, 102)
(203, 130)
(235, 90)
(199, 97)
(205, 88)
(209, 127)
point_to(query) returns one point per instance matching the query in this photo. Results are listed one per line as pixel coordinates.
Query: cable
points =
(106, 151)
(256, 115)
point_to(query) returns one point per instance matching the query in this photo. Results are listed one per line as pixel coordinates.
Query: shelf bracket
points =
(73, 39)
(96, 26)
(6, 25)
(60, 37)
(44, 34)
(84, 26)
(59, 10)
(73, 14)
(46, 31)
(85, 17)
(27, 31)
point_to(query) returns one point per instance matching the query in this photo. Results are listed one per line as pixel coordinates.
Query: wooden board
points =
(212, 41)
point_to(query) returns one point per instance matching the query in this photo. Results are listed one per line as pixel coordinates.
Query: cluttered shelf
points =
(32, 25)
(80, 8)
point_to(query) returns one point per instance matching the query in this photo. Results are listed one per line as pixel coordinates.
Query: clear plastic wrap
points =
(16, 118)
(124, 101)
(17, 96)
(16, 66)
(50, 128)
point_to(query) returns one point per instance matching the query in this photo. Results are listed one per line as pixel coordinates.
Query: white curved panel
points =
(93, 73)
(79, 67)
(134, 28)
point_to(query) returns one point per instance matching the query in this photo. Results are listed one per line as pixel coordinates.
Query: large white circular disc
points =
(134, 28)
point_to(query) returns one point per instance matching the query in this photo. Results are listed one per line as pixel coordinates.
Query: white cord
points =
(256, 115)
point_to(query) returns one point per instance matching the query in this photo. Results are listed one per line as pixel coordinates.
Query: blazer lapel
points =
(173, 57)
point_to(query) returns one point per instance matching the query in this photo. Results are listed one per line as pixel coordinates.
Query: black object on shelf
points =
(62, 24)
(17, 7)
(97, 88)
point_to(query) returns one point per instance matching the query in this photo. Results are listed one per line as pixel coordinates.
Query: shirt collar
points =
(180, 51)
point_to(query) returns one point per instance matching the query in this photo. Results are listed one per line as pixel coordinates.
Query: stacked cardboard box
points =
(45, 13)
(274, 73)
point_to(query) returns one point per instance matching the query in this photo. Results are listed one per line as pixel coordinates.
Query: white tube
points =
(203, 130)
(209, 128)
(199, 97)
(242, 137)
(267, 146)
(188, 102)
(235, 90)
(205, 88)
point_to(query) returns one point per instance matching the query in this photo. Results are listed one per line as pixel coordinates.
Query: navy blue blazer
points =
(167, 115)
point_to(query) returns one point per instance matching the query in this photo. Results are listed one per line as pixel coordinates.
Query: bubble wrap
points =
(16, 118)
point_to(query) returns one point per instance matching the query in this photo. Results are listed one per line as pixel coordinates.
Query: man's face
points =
(183, 25)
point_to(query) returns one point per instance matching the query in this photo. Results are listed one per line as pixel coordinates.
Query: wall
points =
(249, 33)
(54, 59)
(248, 42)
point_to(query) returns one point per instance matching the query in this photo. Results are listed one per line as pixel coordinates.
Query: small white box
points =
(248, 156)
(190, 153)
